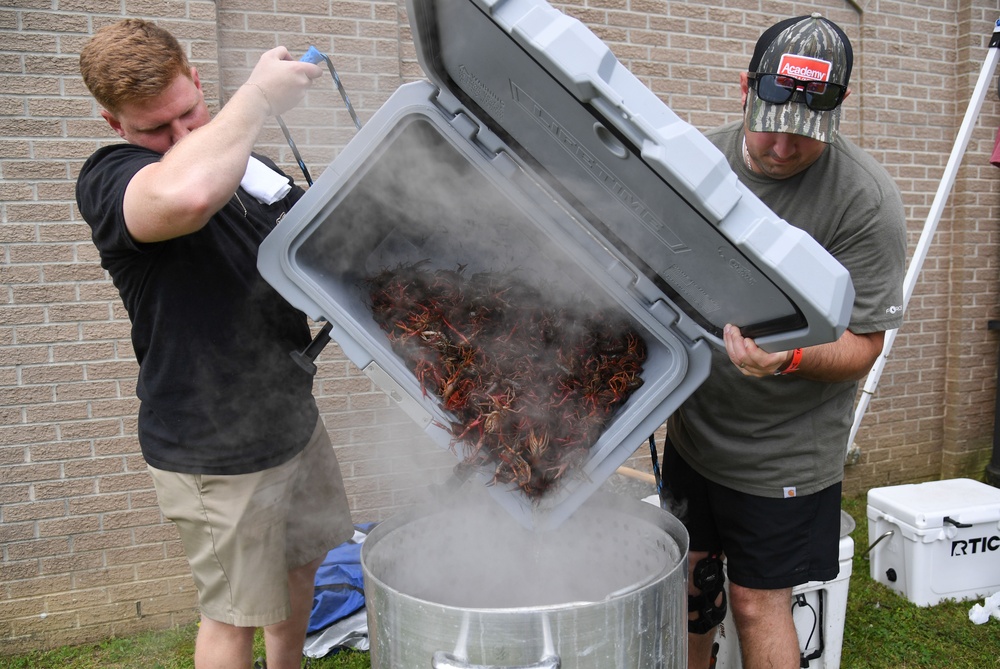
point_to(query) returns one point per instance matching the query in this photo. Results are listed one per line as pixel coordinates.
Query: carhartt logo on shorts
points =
(789, 492)
(804, 67)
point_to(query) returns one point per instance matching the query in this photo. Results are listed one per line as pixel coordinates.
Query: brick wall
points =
(83, 551)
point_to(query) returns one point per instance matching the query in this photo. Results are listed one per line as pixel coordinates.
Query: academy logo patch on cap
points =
(803, 67)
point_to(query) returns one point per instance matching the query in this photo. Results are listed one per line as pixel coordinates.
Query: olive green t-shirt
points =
(786, 435)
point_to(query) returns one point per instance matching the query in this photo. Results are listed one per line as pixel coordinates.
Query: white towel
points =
(980, 613)
(264, 183)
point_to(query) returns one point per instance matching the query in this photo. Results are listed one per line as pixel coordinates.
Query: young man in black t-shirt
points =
(228, 425)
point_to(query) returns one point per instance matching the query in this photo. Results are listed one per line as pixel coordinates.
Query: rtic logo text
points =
(974, 546)
(805, 68)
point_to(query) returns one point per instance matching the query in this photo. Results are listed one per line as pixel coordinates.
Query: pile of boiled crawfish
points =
(530, 387)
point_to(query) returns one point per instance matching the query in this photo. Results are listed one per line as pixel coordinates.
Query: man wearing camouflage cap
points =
(756, 455)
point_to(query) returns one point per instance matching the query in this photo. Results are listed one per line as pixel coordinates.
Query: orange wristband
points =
(792, 365)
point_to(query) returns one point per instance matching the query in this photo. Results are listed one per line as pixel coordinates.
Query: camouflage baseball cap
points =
(806, 48)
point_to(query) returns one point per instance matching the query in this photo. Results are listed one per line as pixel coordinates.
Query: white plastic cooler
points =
(937, 540)
(532, 149)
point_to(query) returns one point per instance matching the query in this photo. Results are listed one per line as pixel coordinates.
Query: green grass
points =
(883, 631)
(169, 649)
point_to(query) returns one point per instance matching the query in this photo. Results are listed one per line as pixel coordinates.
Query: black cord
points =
(656, 466)
(800, 600)
(340, 89)
(295, 150)
(307, 358)
(347, 102)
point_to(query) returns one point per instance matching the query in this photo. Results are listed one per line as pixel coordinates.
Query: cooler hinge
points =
(467, 126)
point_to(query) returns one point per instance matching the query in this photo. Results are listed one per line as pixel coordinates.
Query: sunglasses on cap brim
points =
(779, 89)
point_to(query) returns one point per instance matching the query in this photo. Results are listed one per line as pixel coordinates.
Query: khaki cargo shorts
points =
(243, 533)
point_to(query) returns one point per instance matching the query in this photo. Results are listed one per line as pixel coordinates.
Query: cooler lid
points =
(647, 181)
(927, 505)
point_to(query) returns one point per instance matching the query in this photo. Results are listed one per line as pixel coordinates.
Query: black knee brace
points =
(709, 578)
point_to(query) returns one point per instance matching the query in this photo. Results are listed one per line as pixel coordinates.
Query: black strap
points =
(656, 468)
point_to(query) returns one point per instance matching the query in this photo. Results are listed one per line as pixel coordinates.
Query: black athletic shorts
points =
(769, 543)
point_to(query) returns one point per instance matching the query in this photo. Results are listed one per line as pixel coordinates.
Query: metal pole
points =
(930, 225)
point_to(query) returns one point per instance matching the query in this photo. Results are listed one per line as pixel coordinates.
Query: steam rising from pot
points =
(472, 554)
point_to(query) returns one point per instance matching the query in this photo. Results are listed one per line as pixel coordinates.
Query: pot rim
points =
(653, 515)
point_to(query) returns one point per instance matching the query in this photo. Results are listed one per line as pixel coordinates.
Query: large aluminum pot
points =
(464, 586)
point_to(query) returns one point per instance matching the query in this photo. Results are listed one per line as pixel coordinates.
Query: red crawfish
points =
(529, 387)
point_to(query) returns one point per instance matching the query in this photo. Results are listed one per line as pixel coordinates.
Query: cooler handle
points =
(443, 660)
(952, 521)
(875, 543)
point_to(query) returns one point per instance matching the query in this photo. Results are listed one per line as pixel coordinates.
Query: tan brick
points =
(12, 147)
(78, 599)
(14, 233)
(131, 518)
(90, 429)
(23, 355)
(47, 333)
(69, 526)
(81, 351)
(73, 272)
(22, 315)
(54, 22)
(75, 563)
(175, 602)
(44, 624)
(50, 190)
(135, 554)
(84, 391)
(25, 473)
(58, 232)
(21, 608)
(96, 331)
(10, 530)
(51, 374)
(64, 411)
(41, 548)
(118, 446)
(36, 510)
(125, 482)
(61, 490)
(112, 370)
(140, 591)
(60, 313)
(104, 577)
(13, 493)
(142, 499)
(90, 6)
(91, 467)
(114, 407)
(98, 503)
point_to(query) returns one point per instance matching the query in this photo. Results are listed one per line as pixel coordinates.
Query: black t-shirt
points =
(219, 392)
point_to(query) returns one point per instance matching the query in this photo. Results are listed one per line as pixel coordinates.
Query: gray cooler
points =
(533, 150)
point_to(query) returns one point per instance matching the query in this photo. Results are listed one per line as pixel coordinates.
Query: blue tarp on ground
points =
(339, 584)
